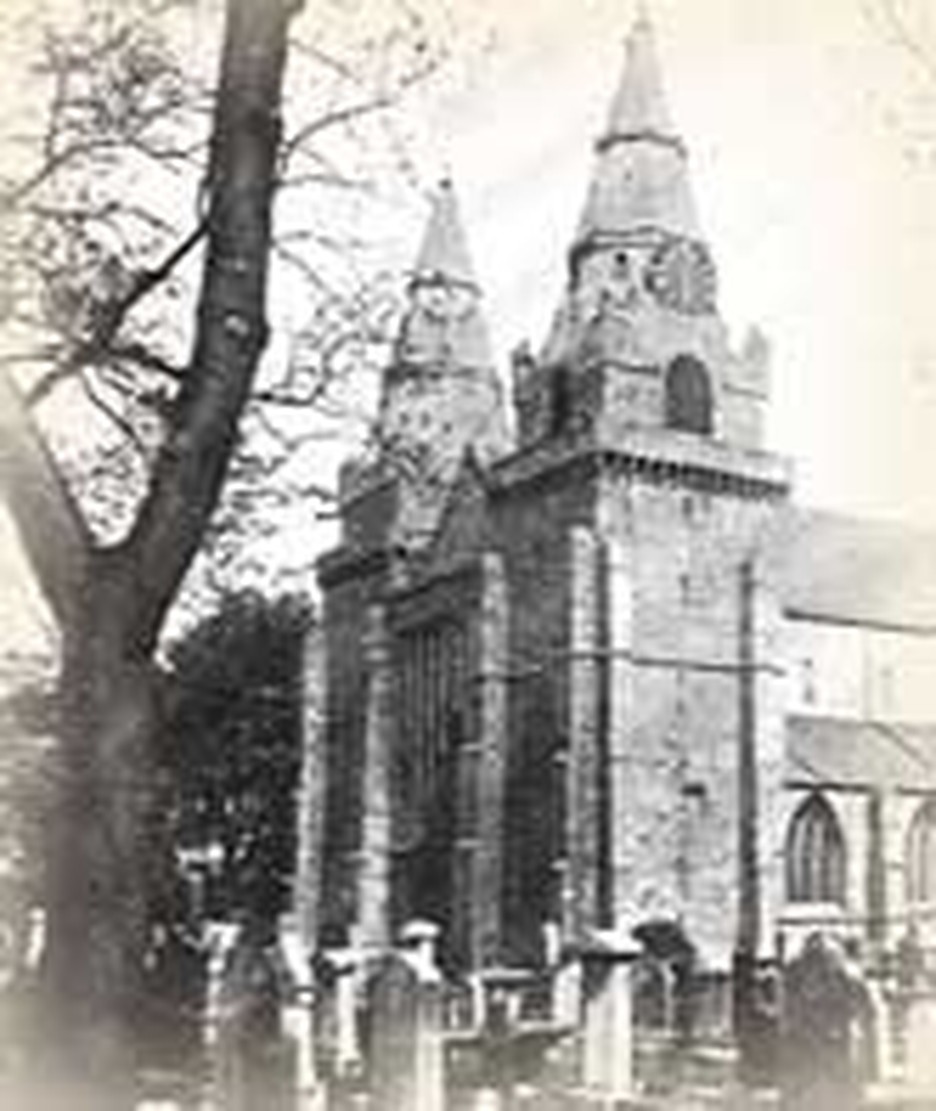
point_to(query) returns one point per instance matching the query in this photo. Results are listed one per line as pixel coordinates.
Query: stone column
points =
(765, 674)
(760, 747)
(491, 759)
(876, 872)
(608, 1033)
(312, 789)
(373, 874)
(582, 848)
(749, 878)
(620, 728)
(896, 812)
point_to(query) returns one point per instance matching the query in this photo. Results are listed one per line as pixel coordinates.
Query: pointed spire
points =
(444, 252)
(444, 324)
(639, 108)
(440, 393)
(641, 180)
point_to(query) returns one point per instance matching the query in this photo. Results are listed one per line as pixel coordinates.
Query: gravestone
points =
(608, 1037)
(403, 1034)
(393, 1016)
(920, 1069)
(336, 1026)
(257, 1063)
(298, 1015)
(821, 1003)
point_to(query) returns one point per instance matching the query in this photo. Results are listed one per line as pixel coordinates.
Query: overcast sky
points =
(812, 130)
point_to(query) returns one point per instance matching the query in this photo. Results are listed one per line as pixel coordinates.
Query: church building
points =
(587, 665)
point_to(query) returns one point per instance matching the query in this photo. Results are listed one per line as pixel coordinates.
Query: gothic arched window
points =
(688, 396)
(815, 855)
(921, 855)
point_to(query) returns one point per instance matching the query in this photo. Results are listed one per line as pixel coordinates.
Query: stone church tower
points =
(643, 474)
(551, 674)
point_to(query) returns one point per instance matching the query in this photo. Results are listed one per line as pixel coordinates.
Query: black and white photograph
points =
(467, 555)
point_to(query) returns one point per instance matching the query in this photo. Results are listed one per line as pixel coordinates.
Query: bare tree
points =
(101, 320)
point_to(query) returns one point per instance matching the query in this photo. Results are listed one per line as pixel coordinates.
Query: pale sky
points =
(812, 131)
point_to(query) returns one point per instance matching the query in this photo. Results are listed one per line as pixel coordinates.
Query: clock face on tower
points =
(681, 276)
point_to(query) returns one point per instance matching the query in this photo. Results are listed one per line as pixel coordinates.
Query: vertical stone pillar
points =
(876, 872)
(487, 872)
(894, 817)
(749, 920)
(608, 1030)
(767, 685)
(760, 745)
(373, 873)
(310, 814)
(748, 924)
(582, 846)
(620, 590)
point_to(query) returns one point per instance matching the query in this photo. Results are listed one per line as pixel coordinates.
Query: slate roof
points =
(839, 568)
(851, 753)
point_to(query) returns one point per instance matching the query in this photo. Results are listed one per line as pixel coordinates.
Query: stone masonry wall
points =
(675, 818)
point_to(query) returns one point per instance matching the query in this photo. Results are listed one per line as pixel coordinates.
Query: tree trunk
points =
(111, 603)
(100, 869)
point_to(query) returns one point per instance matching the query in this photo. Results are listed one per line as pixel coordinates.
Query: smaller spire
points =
(639, 108)
(444, 252)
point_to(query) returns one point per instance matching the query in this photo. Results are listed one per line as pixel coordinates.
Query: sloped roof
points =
(444, 253)
(843, 752)
(639, 106)
(641, 177)
(840, 568)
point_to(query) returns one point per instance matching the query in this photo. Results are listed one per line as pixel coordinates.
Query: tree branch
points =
(47, 517)
(100, 344)
(904, 38)
(231, 332)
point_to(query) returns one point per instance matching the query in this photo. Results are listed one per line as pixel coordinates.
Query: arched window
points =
(815, 855)
(921, 855)
(688, 396)
(560, 400)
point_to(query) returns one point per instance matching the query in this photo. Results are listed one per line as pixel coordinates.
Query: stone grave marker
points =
(821, 1003)
(404, 1044)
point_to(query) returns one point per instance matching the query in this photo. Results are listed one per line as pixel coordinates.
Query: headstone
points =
(336, 1028)
(608, 1046)
(403, 1039)
(393, 1011)
(259, 1066)
(567, 994)
(503, 990)
(821, 1002)
(920, 1070)
(298, 1015)
(220, 939)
